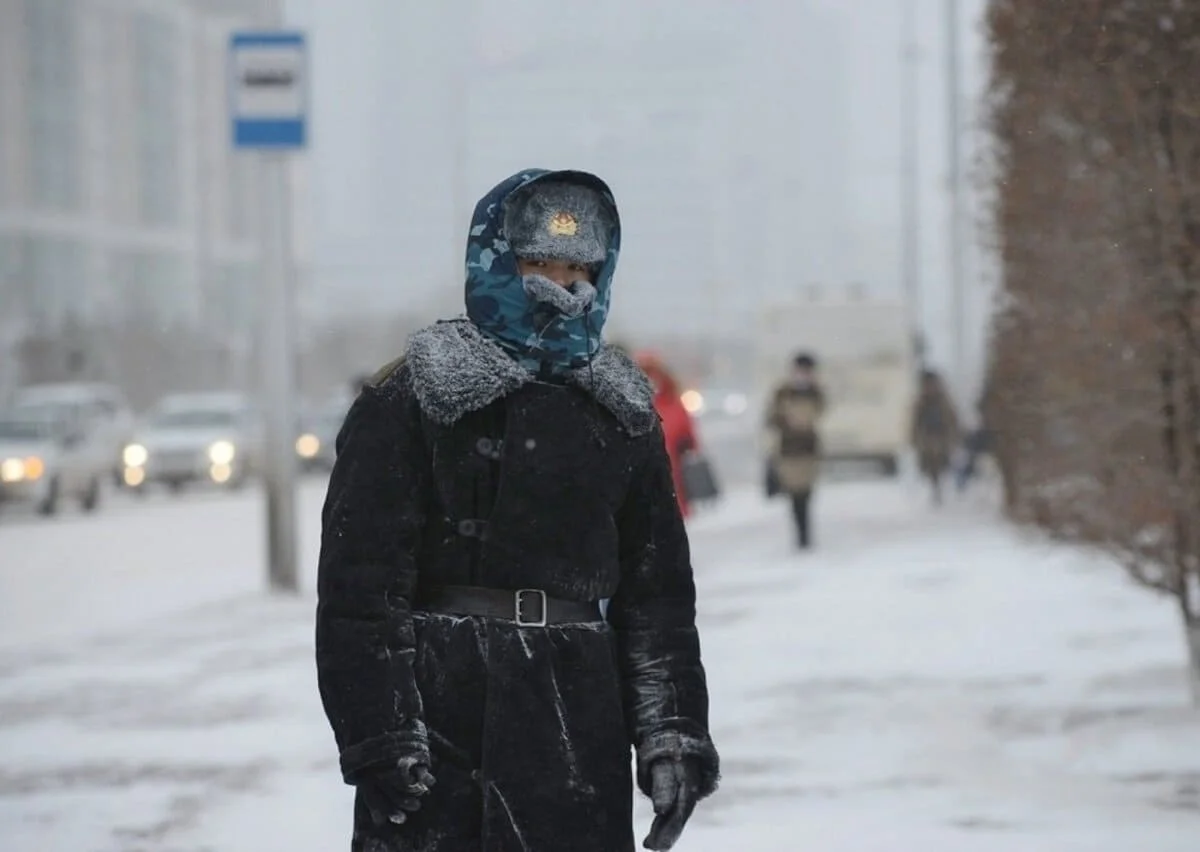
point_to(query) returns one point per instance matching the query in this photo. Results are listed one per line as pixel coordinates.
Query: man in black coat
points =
(492, 486)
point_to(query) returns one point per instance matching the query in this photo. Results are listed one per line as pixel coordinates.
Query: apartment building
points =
(119, 192)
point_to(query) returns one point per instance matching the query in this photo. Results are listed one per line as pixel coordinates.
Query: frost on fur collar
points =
(455, 370)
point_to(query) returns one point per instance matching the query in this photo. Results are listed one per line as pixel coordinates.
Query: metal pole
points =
(954, 126)
(205, 265)
(277, 353)
(718, 236)
(909, 178)
(278, 360)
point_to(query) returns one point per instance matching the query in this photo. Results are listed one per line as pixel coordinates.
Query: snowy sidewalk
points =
(924, 681)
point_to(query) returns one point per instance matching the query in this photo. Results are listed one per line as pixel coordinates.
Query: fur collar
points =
(455, 369)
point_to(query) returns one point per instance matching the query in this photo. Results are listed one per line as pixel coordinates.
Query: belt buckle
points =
(519, 599)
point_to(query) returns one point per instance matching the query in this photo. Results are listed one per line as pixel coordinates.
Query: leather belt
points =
(525, 607)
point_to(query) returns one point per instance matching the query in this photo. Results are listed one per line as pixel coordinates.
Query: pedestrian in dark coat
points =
(936, 432)
(491, 487)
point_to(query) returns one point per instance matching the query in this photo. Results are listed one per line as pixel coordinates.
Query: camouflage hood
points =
(539, 329)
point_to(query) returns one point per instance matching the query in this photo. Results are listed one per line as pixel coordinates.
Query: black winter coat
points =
(458, 469)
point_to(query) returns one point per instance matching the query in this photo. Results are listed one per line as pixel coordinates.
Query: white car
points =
(715, 403)
(195, 438)
(721, 412)
(46, 460)
(103, 408)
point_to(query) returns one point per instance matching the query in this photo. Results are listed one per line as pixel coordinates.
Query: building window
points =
(55, 274)
(150, 286)
(122, 283)
(156, 46)
(54, 104)
(15, 282)
(231, 299)
(8, 192)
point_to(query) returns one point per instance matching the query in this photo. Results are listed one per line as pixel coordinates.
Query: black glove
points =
(675, 789)
(392, 794)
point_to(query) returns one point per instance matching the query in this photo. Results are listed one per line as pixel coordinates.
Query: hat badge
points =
(563, 224)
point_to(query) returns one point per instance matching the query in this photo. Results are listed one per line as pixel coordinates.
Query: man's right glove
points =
(675, 791)
(392, 794)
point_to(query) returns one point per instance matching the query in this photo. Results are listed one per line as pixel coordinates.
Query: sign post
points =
(268, 105)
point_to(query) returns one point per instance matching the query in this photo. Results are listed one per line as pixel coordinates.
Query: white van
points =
(867, 364)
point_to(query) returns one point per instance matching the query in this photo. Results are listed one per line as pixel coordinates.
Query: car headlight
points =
(307, 446)
(222, 452)
(34, 468)
(135, 455)
(693, 401)
(22, 470)
(12, 470)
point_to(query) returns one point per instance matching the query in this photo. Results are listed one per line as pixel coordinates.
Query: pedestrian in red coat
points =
(677, 426)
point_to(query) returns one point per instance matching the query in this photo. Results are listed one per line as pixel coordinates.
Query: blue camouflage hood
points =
(534, 333)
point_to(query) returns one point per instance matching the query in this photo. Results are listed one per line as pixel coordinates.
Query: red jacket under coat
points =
(678, 428)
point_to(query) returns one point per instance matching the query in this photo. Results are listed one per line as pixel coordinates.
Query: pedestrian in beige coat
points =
(794, 410)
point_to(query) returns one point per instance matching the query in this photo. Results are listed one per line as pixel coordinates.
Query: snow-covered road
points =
(923, 681)
(77, 575)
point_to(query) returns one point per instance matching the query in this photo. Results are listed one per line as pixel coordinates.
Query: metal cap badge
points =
(563, 224)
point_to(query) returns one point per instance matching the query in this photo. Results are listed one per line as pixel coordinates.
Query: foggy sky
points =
(775, 125)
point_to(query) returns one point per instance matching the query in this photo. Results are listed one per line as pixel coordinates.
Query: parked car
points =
(716, 402)
(191, 438)
(103, 407)
(49, 455)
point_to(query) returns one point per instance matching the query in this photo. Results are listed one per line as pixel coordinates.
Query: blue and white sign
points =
(268, 89)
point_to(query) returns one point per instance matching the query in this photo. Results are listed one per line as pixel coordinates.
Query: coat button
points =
(489, 448)
(467, 528)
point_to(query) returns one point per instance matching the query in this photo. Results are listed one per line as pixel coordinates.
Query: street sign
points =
(268, 89)
(268, 108)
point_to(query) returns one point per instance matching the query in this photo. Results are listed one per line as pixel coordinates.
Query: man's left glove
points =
(675, 789)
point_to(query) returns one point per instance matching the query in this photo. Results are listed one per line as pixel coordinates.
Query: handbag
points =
(699, 478)
(771, 483)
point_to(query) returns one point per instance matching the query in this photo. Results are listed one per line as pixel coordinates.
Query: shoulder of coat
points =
(381, 376)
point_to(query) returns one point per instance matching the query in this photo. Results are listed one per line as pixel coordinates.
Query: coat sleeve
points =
(914, 423)
(773, 417)
(371, 524)
(772, 427)
(654, 616)
(954, 425)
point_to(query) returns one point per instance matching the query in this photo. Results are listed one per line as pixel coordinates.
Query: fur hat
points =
(556, 220)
